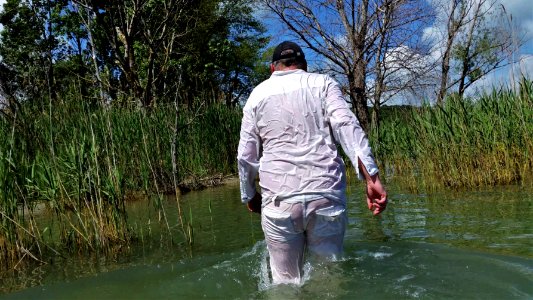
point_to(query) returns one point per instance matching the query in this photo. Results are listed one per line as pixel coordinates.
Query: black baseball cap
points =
(288, 49)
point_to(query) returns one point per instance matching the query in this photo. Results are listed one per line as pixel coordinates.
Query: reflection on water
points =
(447, 245)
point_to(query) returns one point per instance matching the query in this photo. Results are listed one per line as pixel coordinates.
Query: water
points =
(467, 245)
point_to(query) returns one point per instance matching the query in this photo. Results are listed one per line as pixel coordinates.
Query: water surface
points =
(472, 244)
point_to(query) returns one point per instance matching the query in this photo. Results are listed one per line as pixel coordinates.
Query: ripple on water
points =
(384, 258)
(370, 270)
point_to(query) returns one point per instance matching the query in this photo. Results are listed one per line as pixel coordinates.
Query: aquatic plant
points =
(81, 162)
(469, 142)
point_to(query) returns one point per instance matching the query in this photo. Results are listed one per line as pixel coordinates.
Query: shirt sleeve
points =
(248, 155)
(347, 131)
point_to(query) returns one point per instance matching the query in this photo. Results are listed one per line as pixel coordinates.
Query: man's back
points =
(299, 156)
(289, 126)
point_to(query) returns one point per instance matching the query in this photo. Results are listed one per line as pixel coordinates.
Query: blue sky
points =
(521, 12)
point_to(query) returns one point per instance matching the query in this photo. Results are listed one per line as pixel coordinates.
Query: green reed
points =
(485, 140)
(82, 163)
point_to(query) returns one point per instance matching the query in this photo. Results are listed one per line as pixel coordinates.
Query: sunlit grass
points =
(466, 143)
(81, 163)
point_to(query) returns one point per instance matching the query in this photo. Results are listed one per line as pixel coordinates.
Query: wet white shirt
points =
(289, 128)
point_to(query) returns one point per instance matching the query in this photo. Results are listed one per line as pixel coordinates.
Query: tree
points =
(483, 47)
(236, 49)
(42, 45)
(147, 44)
(456, 18)
(355, 37)
(222, 51)
(474, 42)
(397, 54)
(28, 43)
(131, 51)
(126, 34)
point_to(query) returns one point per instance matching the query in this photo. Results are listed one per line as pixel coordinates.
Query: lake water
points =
(459, 245)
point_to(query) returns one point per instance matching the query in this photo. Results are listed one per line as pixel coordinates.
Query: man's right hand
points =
(254, 205)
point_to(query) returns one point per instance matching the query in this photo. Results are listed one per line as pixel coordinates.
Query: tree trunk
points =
(148, 95)
(445, 71)
(375, 118)
(465, 66)
(455, 22)
(358, 98)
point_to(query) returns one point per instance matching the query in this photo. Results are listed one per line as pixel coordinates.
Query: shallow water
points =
(474, 245)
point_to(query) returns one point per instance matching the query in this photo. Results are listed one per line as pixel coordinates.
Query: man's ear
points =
(272, 68)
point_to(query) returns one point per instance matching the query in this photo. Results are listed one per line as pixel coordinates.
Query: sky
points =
(521, 12)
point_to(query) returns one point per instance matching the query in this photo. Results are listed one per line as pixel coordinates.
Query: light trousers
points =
(292, 228)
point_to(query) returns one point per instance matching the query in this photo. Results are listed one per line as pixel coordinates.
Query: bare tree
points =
(484, 46)
(355, 37)
(398, 53)
(475, 43)
(456, 19)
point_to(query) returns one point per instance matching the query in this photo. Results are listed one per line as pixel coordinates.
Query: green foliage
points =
(82, 162)
(146, 51)
(465, 143)
(223, 53)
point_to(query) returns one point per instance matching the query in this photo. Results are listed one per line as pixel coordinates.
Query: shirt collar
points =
(282, 73)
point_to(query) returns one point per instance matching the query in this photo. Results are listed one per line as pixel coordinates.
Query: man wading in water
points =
(290, 125)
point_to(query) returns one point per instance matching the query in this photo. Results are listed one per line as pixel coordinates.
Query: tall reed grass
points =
(486, 140)
(81, 163)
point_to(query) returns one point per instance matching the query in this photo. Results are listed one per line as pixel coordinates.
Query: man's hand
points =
(254, 205)
(376, 196)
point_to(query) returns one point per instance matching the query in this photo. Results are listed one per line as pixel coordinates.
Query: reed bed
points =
(469, 143)
(81, 164)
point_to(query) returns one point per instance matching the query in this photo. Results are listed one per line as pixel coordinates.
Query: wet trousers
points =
(293, 227)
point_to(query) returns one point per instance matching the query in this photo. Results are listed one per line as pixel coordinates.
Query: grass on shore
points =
(465, 143)
(81, 163)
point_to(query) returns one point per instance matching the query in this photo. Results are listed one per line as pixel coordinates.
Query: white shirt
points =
(286, 136)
